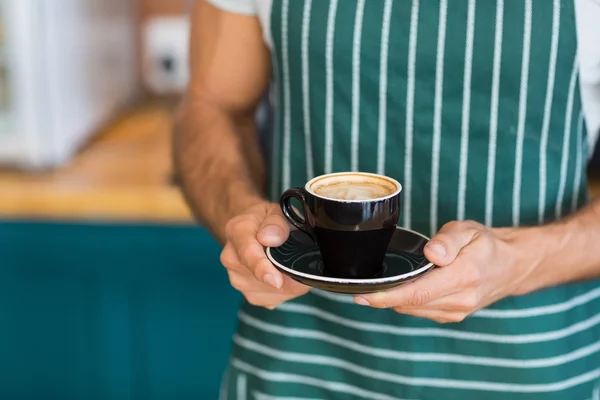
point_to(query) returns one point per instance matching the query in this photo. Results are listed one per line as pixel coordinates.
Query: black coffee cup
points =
(351, 216)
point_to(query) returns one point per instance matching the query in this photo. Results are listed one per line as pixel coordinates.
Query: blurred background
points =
(107, 288)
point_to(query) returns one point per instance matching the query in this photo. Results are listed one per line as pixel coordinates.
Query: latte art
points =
(365, 190)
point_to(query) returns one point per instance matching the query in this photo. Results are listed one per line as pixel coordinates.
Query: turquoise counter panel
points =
(101, 311)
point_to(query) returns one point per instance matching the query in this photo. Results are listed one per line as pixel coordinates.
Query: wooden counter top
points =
(125, 175)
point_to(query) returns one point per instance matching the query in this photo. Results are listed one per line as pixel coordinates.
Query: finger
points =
(252, 255)
(439, 283)
(293, 287)
(267, 300)
(465, 301)
(230, 260)
(444, 247)
(244, 281)
(274, 230)
(443, 317)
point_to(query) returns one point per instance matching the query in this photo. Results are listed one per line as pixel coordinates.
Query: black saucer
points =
(300, 259)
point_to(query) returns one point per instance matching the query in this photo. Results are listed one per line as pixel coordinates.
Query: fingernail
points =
(362, 301)
(437, 249)
(271, 232)
(272, 280)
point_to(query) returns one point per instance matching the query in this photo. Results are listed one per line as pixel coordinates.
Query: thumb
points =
(274, 229)
(444, 247)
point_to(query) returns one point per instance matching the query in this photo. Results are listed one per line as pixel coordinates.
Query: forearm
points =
(218, 162)
(565, 251)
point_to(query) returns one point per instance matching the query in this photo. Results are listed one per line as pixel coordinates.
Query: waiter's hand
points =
(477, 266)
(249, 269)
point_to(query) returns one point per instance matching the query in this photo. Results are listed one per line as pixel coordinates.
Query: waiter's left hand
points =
(477, 266)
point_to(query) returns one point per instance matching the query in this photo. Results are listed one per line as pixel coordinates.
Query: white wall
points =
(89, 62)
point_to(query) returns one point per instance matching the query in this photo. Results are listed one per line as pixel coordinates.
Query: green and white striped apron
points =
(475, 107)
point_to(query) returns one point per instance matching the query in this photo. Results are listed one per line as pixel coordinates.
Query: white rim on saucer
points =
(371, 281)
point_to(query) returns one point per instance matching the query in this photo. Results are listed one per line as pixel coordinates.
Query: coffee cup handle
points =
(291, 214)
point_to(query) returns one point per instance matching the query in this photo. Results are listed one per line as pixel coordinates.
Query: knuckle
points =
(228, 259)
(262, 268)
(275, 216)
(378, 301)
(230, 227)
(450, 318)
(485, 237)
(247, 253)
(379, 304)
(471, 277)
(252, 299)
(238, 283)
(474, 301)
(420, 297)
(458, 317)
(452, 225)
(467, 303)
(234, 284)
(275, 210)
(256, 300)
(457, 226)
(471, 224)
(292, 289)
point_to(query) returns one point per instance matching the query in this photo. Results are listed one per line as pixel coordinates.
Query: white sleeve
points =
(246, 7)
(588, 32)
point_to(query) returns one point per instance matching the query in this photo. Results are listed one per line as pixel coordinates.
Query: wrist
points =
(240, 204)
(542, 254)
(234, 201)
(240, 196)
(520, 259)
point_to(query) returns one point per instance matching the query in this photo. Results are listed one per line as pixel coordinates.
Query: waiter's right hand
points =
(249, 269)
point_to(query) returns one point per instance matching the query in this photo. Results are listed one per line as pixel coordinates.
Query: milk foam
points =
(358, 188)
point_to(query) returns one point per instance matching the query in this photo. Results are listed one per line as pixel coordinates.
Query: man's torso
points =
(475, 107)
